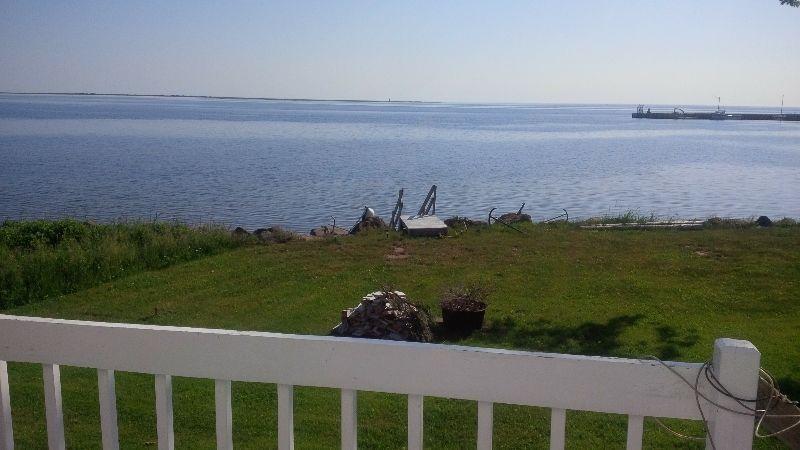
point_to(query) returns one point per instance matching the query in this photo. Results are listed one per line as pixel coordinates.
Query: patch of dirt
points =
(398, 253)
(704, 252)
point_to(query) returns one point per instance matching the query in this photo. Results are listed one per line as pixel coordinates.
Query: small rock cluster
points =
(463, 222)
(515, 217)
(386, 315)
(274, 234)
(328, 231)
(369, 223)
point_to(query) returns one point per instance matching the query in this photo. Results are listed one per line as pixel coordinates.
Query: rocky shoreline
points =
(279, 234)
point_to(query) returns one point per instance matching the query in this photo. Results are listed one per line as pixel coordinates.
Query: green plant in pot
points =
(464, 307)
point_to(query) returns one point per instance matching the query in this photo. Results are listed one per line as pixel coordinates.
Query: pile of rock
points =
(515, 217)
(386, 315)
(463, 222)
(328, 231)
(369, 223)
(274, 234)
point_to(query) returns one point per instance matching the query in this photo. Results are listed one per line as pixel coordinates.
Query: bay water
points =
(256, 163)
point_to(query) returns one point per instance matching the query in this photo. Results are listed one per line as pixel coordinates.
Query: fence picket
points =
(6, 427)
(415, 422)
(222, 400)
(349, 419)
(485, 425)
(558, 429)
(54, 411)
(108, 409)
(635, 432)
(166, 434)
(285, 417)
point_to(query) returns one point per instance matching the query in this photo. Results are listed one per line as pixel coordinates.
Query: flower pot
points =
(463, 320)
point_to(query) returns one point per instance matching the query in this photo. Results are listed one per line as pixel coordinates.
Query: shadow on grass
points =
(588, 338)
(443, 334)
(670, 343)
(790, 387)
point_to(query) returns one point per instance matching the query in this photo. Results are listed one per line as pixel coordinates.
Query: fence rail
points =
(637, 388)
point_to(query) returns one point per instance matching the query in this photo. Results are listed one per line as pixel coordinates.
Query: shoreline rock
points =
(463, 222)
(369, 223)
(764, 221)
(240, 233)
(276, 234)
(515, 217)
(328, 231)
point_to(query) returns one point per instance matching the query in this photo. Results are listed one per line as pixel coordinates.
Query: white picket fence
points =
(637, 388)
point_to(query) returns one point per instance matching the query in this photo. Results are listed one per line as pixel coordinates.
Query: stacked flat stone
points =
(381, 315)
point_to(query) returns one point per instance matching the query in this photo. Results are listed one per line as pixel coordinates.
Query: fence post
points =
(736, 365)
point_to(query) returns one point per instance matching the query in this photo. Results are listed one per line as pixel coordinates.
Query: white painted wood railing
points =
(637, 388)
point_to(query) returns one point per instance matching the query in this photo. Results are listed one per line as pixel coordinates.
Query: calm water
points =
(258, 163)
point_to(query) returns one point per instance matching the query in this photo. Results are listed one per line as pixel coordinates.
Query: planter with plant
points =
(463, 308)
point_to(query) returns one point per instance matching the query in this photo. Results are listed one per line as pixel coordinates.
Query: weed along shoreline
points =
(626, 286)
(45, 259)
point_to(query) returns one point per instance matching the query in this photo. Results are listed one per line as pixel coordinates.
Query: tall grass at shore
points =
(43, 259)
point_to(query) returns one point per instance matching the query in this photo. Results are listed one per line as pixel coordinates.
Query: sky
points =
(674, 52)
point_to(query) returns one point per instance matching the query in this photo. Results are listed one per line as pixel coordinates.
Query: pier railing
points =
(636, 388)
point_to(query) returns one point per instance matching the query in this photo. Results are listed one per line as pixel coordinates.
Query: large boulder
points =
(764, 221)
(240, 233)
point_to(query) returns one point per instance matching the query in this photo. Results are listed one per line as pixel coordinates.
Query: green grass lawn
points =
(561, 289)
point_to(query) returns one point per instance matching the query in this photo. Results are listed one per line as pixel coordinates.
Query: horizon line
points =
(388, 100)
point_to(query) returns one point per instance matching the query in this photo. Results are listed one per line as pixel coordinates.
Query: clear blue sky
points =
(669, 51)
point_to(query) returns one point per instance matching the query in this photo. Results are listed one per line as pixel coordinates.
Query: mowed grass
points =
(561, 289)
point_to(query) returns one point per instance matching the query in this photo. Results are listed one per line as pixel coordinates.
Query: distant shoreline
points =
(214, 97)
(417, 102)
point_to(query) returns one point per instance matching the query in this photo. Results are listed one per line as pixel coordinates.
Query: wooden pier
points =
(678, 113)
(424, 226)
(425, 222)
